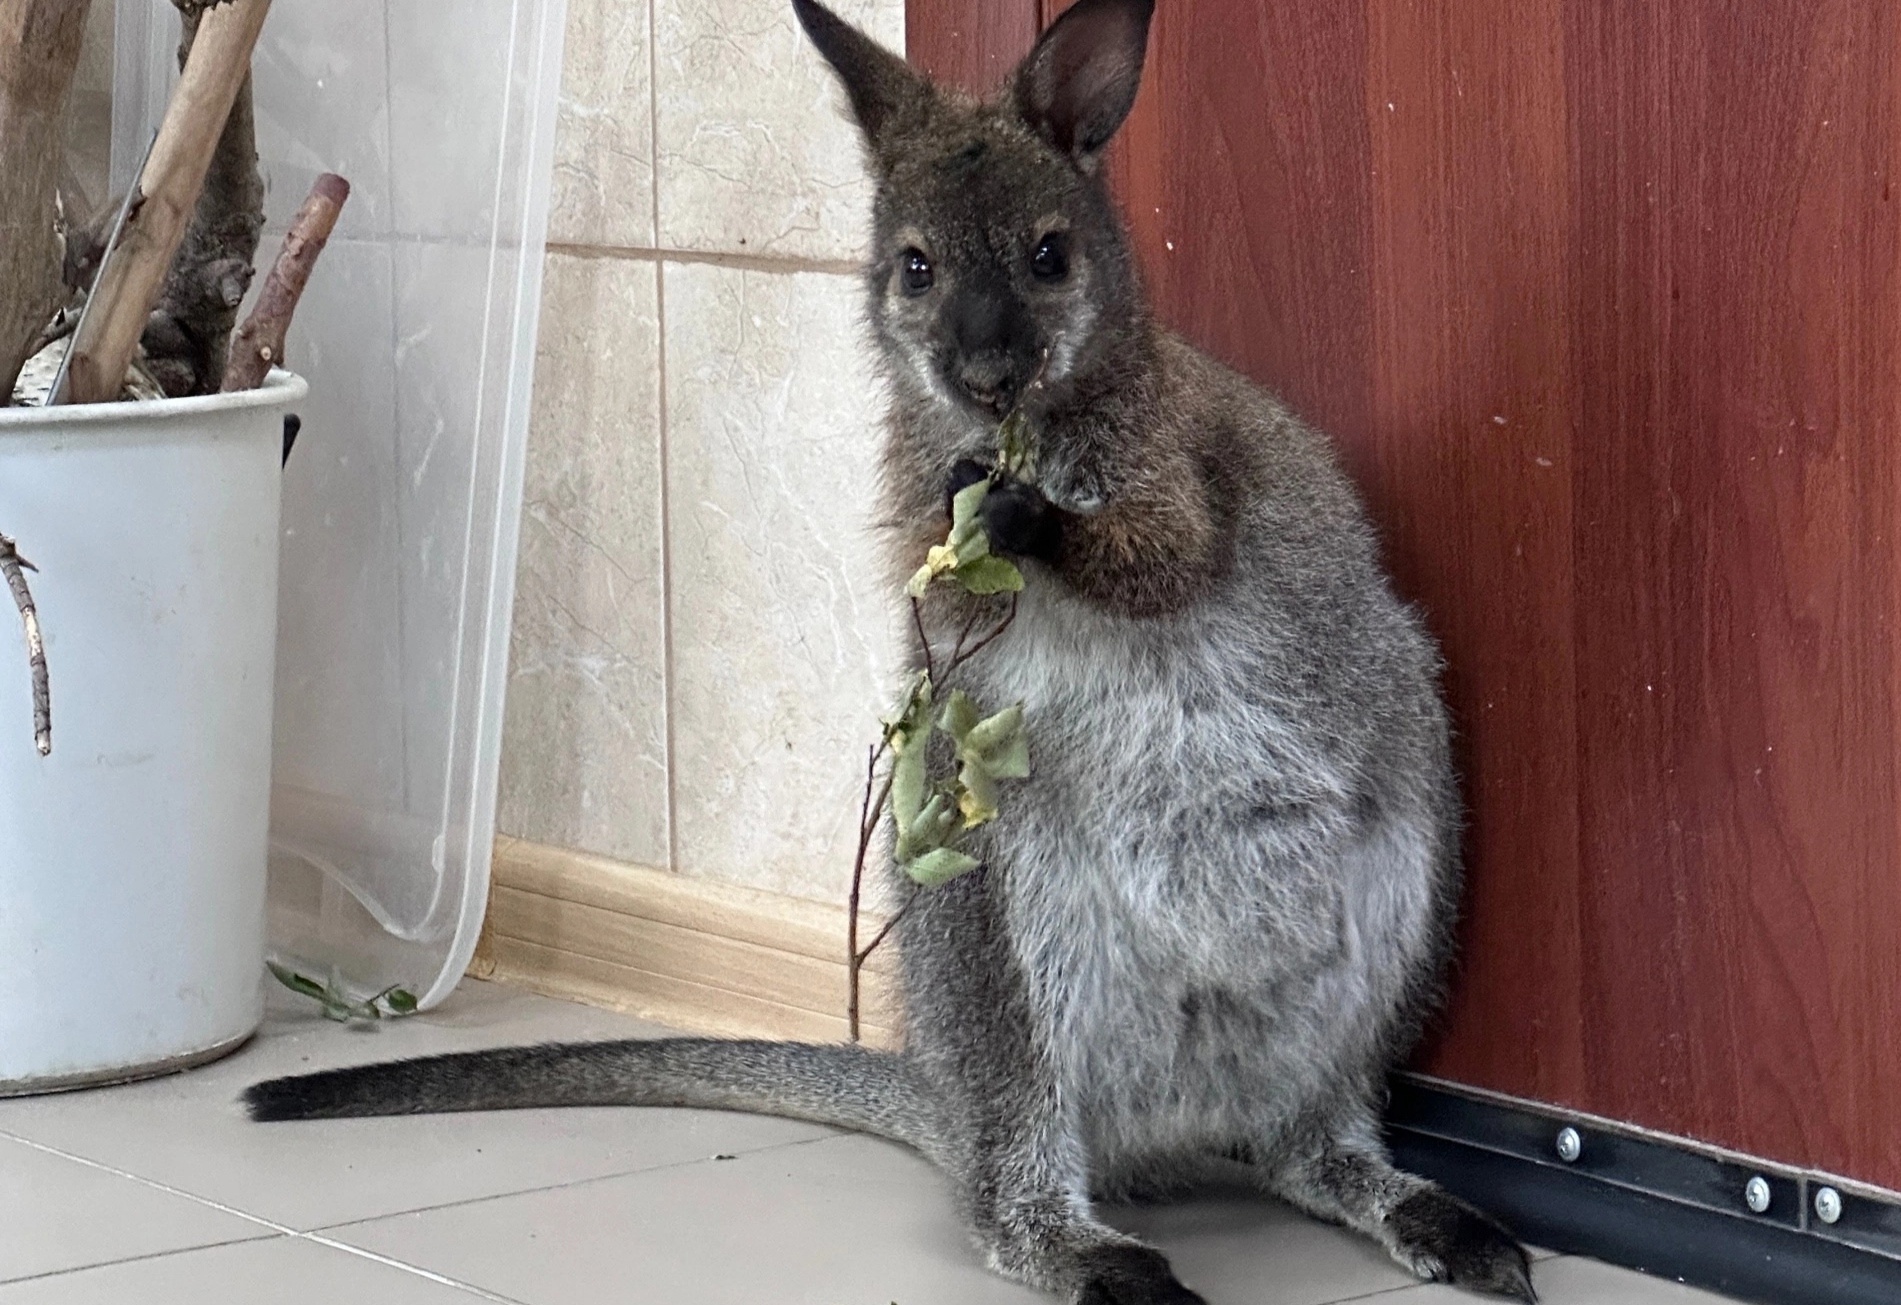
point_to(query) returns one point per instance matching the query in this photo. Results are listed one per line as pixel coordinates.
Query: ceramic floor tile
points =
(1570, 1280)
(850, 1219)
(188, 1133)
(1240, 1249)
(854, 1219)
(281, 1271)
(58, 1214)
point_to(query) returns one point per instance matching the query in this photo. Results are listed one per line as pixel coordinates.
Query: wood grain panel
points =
(970, 44)
(1259, 250)
(1733, 300)
(1471, 479)
(689, 953)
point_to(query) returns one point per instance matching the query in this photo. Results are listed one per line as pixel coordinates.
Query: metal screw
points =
(1756, 1195)
(1570, 1145)
(1828, 1204)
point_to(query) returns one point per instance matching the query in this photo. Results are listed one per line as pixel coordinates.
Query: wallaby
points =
(1217, 912)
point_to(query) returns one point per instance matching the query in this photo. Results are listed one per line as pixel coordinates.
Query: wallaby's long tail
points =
(871, 1091)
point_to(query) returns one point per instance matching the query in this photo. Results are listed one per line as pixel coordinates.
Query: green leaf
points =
(967, 540)
(1010, 759)
(988, 574)
(928, 831)
(1013, 445)
(938, 867)
(993, 730)
(958, 716)
(336, 1005)
(966, 506)
(907, 781)
(395, 998)
(297, 982)
(1001, 743)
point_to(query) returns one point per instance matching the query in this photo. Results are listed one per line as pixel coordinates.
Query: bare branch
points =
(39, 53)
(218, 66)
(990, 638)
(15, 567)
(924, 640)
(188, 333)
(867, 826)
(889, 925)
(259, 343)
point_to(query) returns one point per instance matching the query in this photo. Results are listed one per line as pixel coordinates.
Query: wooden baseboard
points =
(689, 953)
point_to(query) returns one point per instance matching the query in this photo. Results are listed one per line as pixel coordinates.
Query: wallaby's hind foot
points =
(1438, 1236)
(1132, 1275)
(1428, 1230)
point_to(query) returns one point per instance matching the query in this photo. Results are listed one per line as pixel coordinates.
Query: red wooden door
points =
(1601, 303)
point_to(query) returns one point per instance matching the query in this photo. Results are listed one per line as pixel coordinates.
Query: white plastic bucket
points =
(133, 859)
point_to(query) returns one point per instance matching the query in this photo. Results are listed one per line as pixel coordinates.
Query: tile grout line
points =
(285, 1235)
(392, 1263)
(320, 1233)
(1385, 1292)
(667, 672)
(141, 1259)
(153, 1183)
(786, 264)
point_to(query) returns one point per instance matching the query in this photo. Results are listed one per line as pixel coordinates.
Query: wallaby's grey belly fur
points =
(1214, 920)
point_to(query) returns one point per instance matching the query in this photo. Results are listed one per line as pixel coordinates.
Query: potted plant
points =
(139, 486)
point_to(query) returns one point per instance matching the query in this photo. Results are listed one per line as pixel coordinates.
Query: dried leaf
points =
(1013, 446)
(976, 795)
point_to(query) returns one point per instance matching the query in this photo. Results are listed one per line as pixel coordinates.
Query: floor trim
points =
(689, 953)
(1657, 1204)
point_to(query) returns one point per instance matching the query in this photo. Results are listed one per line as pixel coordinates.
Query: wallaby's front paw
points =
(1443, 1238)
(1132, 1275)
(1016, 516)
(1021, 521)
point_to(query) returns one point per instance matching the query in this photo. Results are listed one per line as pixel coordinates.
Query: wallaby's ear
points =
(877, 82)
(1078, 84)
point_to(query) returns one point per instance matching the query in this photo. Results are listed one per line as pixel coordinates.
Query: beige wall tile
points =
(603, 170)
(757, 155)
(784, 635)
(584, 750)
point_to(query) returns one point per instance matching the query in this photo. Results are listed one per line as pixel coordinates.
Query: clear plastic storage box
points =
(402, 499)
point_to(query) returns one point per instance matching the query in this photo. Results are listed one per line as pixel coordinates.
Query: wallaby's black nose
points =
(989, 378)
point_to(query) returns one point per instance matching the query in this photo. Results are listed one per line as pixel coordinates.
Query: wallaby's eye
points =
(914, 272)
(1050, 262)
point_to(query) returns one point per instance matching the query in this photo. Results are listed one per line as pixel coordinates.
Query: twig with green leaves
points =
(934, 801)
(393, 1002)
